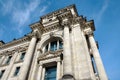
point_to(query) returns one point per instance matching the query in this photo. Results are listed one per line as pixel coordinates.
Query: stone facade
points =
(62, 39)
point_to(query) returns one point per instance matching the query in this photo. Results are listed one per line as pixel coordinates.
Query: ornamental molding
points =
(88, 31)
(60, 11)
(50, 55)
(15, 42)
(51, 28)
(38, 26)
(90, 24)
(13, 50)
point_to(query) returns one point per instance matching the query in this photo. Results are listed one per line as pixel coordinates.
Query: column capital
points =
(34, 34)
(66, 22)
(88, 32)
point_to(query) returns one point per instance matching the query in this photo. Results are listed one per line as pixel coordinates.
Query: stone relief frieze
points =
(50, 54)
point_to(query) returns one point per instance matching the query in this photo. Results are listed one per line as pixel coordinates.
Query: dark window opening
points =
(22, 56)
(8, 60)
(94, 65)
(17, 71)
(50, 73)
(46, 48)
(53, 46)
(1, 73)
(87, 40)
(60, 45)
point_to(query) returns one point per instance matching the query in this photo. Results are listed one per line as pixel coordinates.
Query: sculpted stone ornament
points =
(88, 32)
(50, 54)
(51, 34)
(65, 22)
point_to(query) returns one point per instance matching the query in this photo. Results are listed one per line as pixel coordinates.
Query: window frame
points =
(2, 73)
(17, 70)
(8, 59)
(22, 56)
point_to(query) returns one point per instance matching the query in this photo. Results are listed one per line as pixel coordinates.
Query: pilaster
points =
(96, 55)
(67, 61)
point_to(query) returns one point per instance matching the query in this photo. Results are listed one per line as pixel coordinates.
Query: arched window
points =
(54, 45)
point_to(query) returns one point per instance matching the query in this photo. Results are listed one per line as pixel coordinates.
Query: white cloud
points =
(22, 16)
(21, 11)
(101, 11)
(7, 6)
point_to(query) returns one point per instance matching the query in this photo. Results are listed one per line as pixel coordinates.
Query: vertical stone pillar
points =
(67, 62)
(58, 44)
(8, 70)
(27, 61)
(58, 70)
(97, 58)
(39, 76)
(2, 59)
(34, 66)
(43, 73)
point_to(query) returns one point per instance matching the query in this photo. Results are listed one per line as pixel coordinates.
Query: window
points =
(54, 45)
(22, 56)
(60, 45)
(46, 48)
(1, 73)
(50, 73)
(16, 71)
(94, 65)
(8, 60)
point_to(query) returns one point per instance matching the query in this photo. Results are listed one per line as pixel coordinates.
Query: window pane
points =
(17, 71)
(53, 46)
(1, 73)
(22, 56)
(8, 60)
(60, 45)
(50, 73)
(46, 48)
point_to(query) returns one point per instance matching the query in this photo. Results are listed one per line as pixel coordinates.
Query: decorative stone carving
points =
(88, 31)
(15, 42)
(50, 54)
(16, 49)
(51, 34)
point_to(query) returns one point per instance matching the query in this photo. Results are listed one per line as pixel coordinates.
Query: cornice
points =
(51, 27)
(90, 24)
(65, 15)
(13, 50)
(14, 42)
(37, 25)
(60, 11)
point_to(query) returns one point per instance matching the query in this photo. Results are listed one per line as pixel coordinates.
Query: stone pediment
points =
(50, 54)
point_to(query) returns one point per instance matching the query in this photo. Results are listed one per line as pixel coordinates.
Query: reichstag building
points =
(61, 46)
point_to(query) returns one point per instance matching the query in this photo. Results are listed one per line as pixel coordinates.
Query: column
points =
(34, 66)
(8, 70)
(43, 74)
(39, 76)
(97, 58)
(27, 61)
(57, 44)
(2, 59)
(58, 70)
(67, 66)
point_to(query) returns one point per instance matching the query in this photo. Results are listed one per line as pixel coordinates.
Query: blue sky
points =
(16, 15)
